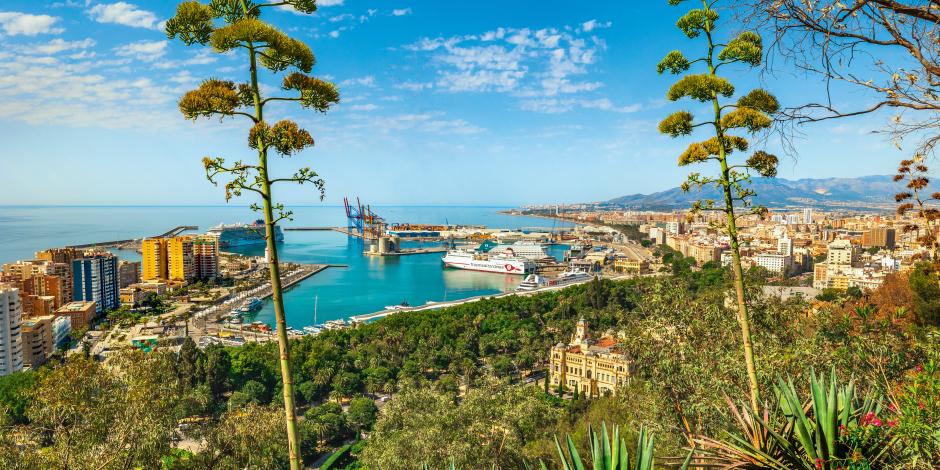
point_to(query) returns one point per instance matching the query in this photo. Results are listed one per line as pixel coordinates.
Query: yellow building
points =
(154, 262)
(593, 367)
(206, 257)
(631, 266)
(180, 259)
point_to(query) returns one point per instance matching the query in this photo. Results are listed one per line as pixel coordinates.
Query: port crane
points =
(362, 221)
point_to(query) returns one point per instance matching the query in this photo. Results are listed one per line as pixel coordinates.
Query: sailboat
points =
(314, 329)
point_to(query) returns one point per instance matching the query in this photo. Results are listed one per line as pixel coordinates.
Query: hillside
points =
(866, 192)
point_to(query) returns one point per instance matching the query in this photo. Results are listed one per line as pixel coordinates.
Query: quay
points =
(438, 305)
(133, 241)
(295, 277)
(408, 251)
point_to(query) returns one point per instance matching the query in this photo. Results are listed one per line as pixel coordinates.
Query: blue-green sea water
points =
(368, 284)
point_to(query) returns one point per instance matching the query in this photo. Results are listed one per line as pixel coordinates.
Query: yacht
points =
(532, 282)
(572, 275)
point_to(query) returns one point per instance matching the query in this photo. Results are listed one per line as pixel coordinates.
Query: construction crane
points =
(362, 222)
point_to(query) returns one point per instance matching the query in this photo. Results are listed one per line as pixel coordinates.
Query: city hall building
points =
(593, 367)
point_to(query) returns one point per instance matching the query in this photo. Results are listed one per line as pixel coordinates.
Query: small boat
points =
(403, 305)
(312, 330)
(532, 282)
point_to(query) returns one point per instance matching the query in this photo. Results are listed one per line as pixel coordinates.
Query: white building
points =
(785, 246)
(842, 253)
(807, 216)
(61, 328)
(773, 262)
(11, 340)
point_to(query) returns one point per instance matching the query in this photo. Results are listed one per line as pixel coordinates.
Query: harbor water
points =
(368, 284)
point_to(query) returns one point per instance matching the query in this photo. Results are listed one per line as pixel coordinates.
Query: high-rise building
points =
(785, 246)
(807, 216)
(842, 253)
(11, 341)
(61, 255)
(154, 259)
(179, 259)
(38, 343)
(881, 237)
(206, 257)
(128, 273)
(95, 278)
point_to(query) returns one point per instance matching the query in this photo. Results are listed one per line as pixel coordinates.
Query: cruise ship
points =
(505, 263)
(243, 234)
(524, 249)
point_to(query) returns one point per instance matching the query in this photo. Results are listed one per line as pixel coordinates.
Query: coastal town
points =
(70, 299)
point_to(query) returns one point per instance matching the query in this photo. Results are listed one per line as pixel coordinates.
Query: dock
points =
(132, 241)
(408, 251)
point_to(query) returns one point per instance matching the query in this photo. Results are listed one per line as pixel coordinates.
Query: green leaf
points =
(701, 87)
(696, 21)
(745, 48)
(748, 118)
(314, 93)
(212, 97)
(760, 100)
(676, 124)
(277, 50)
(675, 62)
(192, 23)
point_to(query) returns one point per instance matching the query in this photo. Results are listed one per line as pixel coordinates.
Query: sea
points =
(367, 284)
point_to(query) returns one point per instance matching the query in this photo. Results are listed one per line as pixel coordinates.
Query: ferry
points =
(243, 234)
(532, 282)
(530, 250)
(504, 263)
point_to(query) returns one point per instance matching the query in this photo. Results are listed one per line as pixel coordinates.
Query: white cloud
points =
(46, 90)
(147, 51)
(126, 14)
(401, 11)
(15, 23)
(414, 86)
(57, 45)
(363, 107)
(562, 105)
(591, 25)
(343, 17)
(334, 34)
(432, 123)
(367, 81)
(524, 62)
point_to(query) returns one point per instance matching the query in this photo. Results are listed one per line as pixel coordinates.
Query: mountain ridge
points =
(864, 192)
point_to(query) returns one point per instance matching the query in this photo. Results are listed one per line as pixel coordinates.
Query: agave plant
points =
(832, 429)
(608, 454)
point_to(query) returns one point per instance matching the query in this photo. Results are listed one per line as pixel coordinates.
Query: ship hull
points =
(508, 266)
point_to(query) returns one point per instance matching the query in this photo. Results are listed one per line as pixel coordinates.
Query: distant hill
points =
(866, 192)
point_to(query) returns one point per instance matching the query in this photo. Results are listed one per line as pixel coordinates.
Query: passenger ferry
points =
(243, 234)
(504, 263)
(529, 250)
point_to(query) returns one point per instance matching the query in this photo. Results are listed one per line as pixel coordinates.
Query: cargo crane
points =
(362, 222)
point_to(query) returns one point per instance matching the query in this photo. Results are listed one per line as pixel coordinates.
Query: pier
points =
(121, 243)
(408, 251)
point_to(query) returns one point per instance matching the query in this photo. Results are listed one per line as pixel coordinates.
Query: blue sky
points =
(443, 102)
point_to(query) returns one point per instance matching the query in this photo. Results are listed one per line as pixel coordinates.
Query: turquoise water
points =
(367, 285)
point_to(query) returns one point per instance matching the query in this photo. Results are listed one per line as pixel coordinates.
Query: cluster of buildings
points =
(45, 298)
(838, 250)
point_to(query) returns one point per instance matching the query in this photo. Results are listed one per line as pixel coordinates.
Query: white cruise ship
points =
(492, 262)
(524, 249)
(243, 234)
